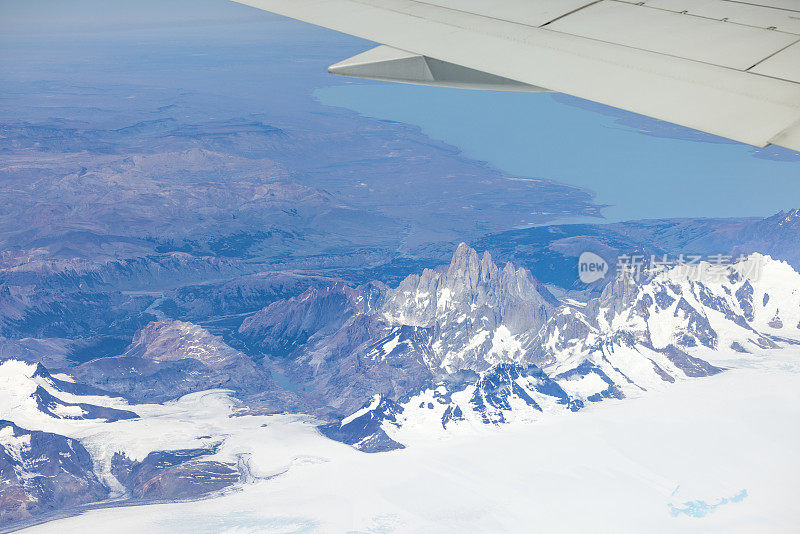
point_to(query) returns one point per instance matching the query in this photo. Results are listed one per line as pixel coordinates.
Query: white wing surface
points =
(725, 67)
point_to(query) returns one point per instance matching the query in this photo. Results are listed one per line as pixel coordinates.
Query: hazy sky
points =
(48, 16)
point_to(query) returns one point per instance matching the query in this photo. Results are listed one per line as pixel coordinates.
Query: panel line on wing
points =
(773, 55)
(773, 6)
(531, 14)
(749, 15)
(685, 36)
(570, 13)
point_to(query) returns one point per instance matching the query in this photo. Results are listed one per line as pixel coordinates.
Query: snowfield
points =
(716, 454)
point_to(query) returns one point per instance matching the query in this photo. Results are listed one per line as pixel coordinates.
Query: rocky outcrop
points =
(171, 475)
(168, 359)
(364, 428)
(42, 472)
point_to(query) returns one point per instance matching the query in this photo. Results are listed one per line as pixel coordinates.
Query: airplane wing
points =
(730, 68)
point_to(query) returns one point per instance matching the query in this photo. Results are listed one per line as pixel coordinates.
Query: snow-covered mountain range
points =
(502, 349)
(459, 349)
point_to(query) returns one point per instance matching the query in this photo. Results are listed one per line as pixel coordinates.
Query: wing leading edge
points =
(733, 79)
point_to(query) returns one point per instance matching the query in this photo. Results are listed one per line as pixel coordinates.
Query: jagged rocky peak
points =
(473, 310)
(468, 283)
(473, 276)
(469, 270)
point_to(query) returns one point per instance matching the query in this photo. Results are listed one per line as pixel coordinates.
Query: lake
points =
(639, 167)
